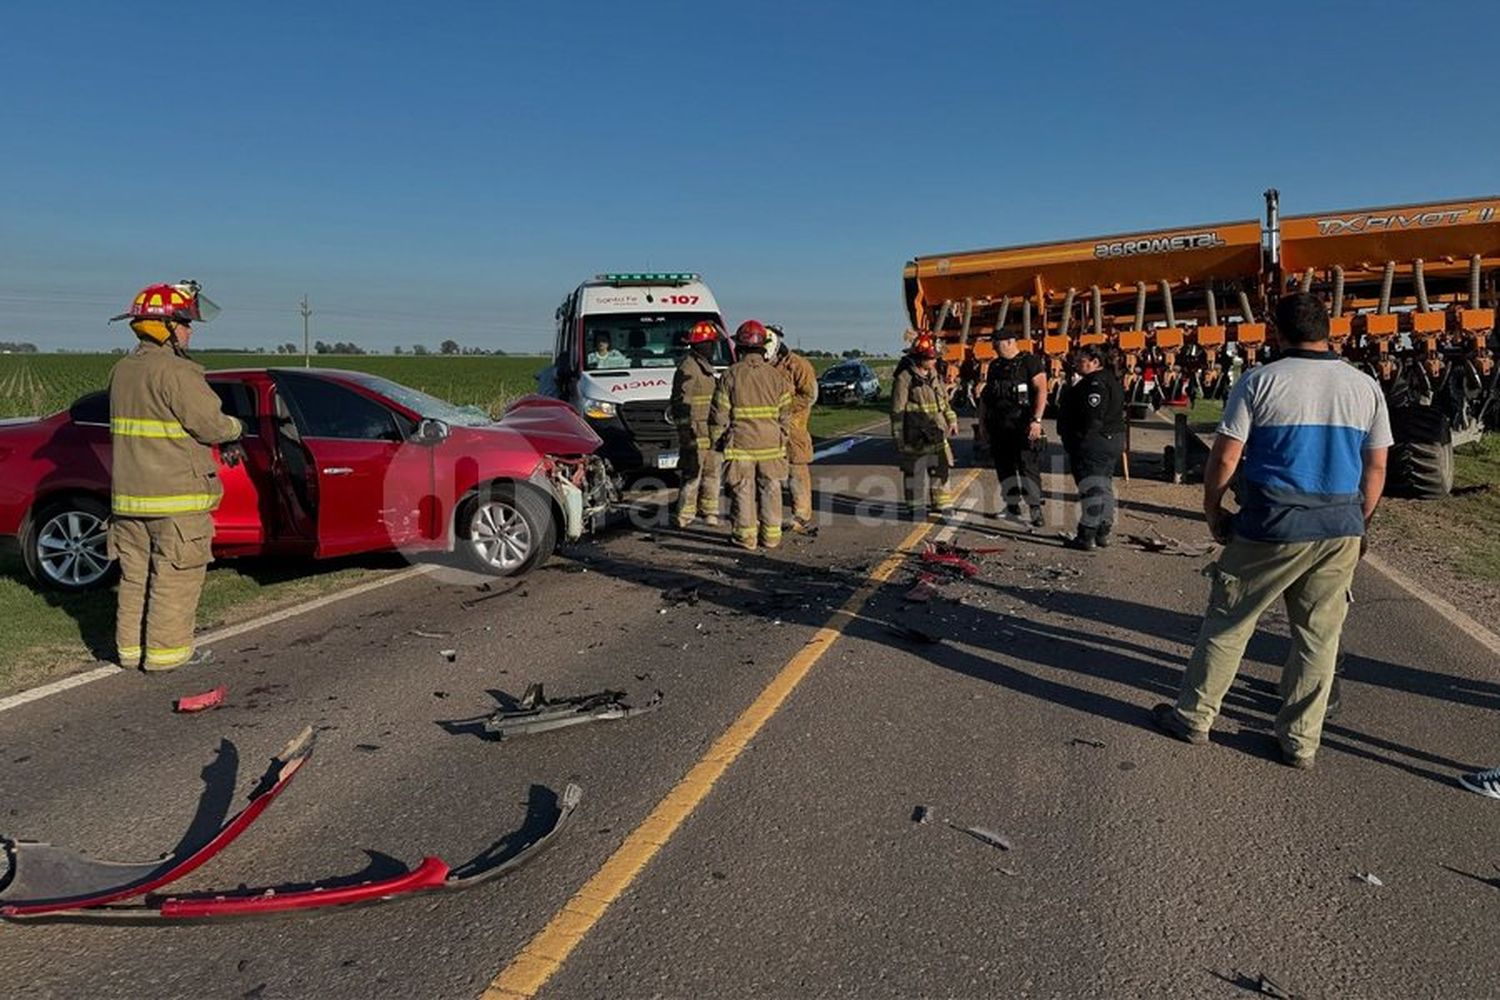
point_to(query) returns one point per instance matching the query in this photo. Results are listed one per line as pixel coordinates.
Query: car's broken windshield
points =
(424, 405)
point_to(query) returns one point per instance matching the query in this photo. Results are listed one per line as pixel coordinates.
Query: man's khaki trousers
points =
(1314, 579)
(162, 564)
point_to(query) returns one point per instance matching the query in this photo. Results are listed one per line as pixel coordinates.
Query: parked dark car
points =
(849, 382)
(336, 463)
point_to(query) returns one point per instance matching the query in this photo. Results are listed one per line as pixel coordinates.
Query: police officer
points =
(163, 420)
(922, 420)
(693, 387)
(749, 422)
(803, 380)
(1091, 423)
(1010, 409)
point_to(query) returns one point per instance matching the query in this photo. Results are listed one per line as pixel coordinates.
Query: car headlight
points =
(599, 409)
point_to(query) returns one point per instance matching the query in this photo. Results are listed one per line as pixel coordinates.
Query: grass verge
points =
(47, 633)
(1459, 534)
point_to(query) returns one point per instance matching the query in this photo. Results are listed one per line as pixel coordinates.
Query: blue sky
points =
(453, 169)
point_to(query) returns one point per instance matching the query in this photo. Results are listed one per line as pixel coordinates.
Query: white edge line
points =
(1467, 625)
(956, 521)
(218, 635)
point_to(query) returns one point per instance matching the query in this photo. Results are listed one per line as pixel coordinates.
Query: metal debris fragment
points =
(921, 814)
(1170, 546)
(535, 713)
(910, 634)
(451, 655)
(1081, 741)
(1271, 988)
(1369, 878)
(421, 634)
(680, 595)
(984, 836)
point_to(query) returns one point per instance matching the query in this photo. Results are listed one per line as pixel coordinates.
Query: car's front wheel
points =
(505, 530)
(65, 544)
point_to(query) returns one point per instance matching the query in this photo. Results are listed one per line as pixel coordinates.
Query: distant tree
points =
(319, 347)
(8, 347)
(288, 348)
(420, 350)
(449, 347)
(399, 349)
(343, 347)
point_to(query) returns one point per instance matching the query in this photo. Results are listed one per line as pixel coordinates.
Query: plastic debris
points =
(1169, 546)
(924, 590)
(1080, 741)
(1271, 988)
(921, 814)
(680, 595)
(201, 702)
(949, 561)
(984, 836)
(1368, 878)
(451, 655)
(420, 634)
(533, 712)
(910, 634)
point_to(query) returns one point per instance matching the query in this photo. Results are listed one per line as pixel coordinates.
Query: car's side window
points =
(92, 409)
(326, 410)
(237, 400)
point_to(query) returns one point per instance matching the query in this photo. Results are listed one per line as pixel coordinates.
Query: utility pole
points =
(306, 349)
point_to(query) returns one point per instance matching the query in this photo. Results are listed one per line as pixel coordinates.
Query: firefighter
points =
(163, 420)
(692, 395)
(749, 422)
(799, 372)
(922, 420)
(1011, 406)
(1091, 423)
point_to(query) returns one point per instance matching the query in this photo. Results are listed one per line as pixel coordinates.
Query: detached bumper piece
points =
(55, 884)
(535, 713)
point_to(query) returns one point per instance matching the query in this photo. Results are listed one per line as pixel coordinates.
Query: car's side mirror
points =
(431, 431)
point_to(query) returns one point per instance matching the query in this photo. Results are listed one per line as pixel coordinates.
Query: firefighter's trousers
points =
(799, 482)
(935, 468)
(755, 496)
(701, 469)
(162, 564)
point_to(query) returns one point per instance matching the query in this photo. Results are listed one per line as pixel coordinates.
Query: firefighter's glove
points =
(232, 454)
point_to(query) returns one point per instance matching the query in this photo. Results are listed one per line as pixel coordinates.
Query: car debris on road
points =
(533, 712)
(52, 883)
(200, 702)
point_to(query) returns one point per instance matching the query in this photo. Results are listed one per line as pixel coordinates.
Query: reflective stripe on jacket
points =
(804, 381)
(693, 387)
(921, 415)
(751, 412)
(163, 418)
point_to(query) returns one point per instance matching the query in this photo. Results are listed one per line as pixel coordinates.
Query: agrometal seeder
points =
(1411, 291)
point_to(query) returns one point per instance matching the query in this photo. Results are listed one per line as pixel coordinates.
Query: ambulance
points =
(619, 339)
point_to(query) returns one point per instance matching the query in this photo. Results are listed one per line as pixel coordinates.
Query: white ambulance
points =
(619, 338)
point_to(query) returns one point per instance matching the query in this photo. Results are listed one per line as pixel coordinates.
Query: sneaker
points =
(1486, 783)
(1101, 535)
(1168, 721)
(1013, 510)
(1038, 519)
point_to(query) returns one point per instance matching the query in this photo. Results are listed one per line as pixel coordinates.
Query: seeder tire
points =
(1423, 470)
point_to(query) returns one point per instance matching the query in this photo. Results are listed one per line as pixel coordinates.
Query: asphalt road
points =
(1139, 866)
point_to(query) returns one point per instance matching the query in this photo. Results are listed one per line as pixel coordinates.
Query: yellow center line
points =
(544, 954)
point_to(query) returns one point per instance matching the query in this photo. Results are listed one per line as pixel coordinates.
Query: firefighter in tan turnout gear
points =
(163, 418)
(692, 395)
(799, 372)
(922, 420)
(749, 423)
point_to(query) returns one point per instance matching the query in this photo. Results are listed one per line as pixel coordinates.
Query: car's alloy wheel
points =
(500, 536)
(72, 549)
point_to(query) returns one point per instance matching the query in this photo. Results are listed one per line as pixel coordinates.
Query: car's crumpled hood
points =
(550, 426)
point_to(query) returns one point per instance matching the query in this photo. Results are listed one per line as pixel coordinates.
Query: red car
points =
(337, 463)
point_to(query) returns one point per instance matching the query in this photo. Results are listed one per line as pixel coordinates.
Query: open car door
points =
(368, 488)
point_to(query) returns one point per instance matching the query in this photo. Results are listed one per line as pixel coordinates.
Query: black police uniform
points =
(1091, 423)
(1009, 407)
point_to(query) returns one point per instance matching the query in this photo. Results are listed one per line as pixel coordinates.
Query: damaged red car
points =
(337, 463)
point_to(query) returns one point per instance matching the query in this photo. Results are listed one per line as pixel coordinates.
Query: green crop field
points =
(35, 384)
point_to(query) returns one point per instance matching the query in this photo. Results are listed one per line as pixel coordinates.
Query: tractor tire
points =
(1422, 470)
